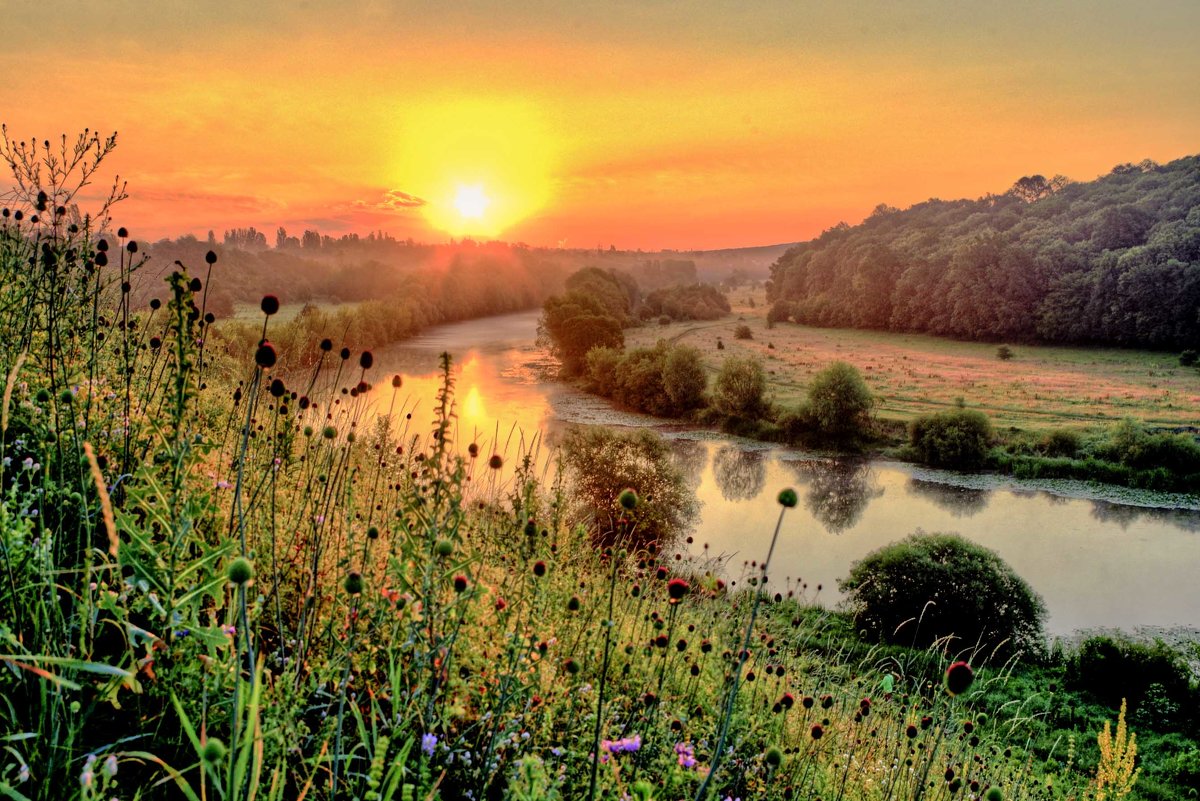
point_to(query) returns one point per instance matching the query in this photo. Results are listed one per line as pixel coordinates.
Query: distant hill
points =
(1112, 261)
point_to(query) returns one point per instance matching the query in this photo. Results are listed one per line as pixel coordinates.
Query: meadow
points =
(224, 579)
(1040, 388)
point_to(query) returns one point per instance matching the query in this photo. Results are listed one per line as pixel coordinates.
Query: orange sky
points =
(641, 124)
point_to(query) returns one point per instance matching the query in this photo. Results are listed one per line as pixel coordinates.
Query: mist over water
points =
(1097, 561)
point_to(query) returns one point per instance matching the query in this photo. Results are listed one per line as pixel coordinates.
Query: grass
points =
(1041, 388)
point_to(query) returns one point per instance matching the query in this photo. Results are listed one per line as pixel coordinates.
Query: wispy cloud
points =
(392, 200)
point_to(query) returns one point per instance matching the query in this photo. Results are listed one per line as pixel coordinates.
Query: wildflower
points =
(443, 548)
(993, 794)
(460, 584)
(428, 743)
(628, 499)
(496, 462)
(366, 359)
(818, 731)
(959, 677)
(676, 589)
(539, 568)
(774, 757)
(110, 766)
(788, 498)
(353, 583)
(685, 755)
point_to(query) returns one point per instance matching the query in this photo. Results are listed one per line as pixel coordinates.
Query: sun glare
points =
(471, 202)
(449, 153)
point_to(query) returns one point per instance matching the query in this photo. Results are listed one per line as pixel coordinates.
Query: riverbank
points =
(1105, 416)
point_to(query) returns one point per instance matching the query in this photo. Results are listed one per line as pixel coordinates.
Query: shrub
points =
(930, 586)
(1004, 353)
(1060, 442)
(740, 388)
(1113, 669)
(1189, 358)
(956, 439)
(683, 379)
(838, 400)
(743, 332)
(781, 312)
(601, 463)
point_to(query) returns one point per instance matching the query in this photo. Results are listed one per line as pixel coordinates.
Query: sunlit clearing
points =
(449, 152)
(471, 202)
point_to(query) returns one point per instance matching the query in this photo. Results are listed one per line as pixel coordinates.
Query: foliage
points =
(958, 439)
(742, 331)
(686, 302)
(600, 463)
(839, 401)
(1115, 670)
(931, 586)
(1004, 353)
(1116, 260)
(666, 380)
(740, 389)
(1189, 358)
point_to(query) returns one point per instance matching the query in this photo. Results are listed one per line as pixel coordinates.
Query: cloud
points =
(392, 200)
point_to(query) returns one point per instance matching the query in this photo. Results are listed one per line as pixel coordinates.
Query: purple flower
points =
(428, 743)
(685, 754)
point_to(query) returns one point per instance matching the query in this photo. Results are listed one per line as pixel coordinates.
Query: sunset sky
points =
(640, 124)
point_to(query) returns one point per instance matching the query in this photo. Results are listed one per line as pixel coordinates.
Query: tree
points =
(740, 388)
(574, 323)
(838, 400)
(930, 586)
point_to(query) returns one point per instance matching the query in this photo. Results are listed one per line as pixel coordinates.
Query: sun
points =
(471, 202)
(482, 165)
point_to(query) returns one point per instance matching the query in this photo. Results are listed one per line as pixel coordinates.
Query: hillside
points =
(1112, 261)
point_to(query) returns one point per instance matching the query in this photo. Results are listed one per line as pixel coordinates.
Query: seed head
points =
(213, 751)
(788, 498)
(628, 499)
(353, 583)
(265, 357)
(240, 571)
(496, 462)
(269, 305)
(959, 677)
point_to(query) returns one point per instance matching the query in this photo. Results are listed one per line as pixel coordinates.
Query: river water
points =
(1100, 557)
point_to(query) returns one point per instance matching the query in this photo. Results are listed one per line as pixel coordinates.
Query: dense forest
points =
(1112, 261)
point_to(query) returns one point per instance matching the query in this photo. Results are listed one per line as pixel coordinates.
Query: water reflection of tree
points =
(839, 490)
(691, 457)
(958, 501)
(740, 474)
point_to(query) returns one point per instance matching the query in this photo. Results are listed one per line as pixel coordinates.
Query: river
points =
(1100, 557)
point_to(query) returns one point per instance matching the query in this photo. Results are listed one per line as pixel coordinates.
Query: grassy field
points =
(1040, 388)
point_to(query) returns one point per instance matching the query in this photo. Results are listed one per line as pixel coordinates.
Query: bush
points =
(957, 439)
(1189, 358)
(601, 463)
(1004, 353)
(930, 586)
(1111, 669)
(740, 388)
(743, 332)
(781, 312)
(838, 400)
(1060, 443)
(683, 379)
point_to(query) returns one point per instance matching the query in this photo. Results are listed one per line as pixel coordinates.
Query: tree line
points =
(1112, 261)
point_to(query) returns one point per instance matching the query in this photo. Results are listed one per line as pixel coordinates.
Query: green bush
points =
(931, 586)
(1189, 358)
(957, 439)
(683, 379)
(839, 401)
(1060, 442)
(740, 388)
